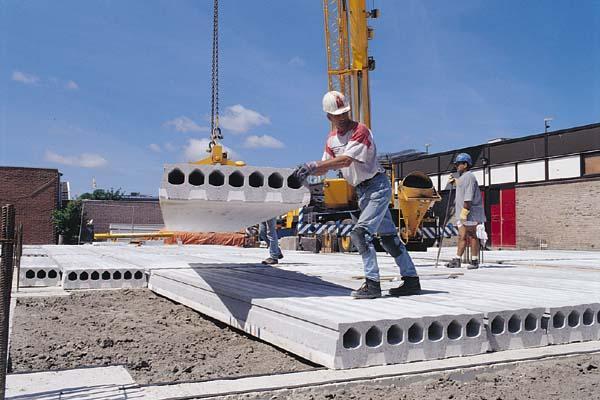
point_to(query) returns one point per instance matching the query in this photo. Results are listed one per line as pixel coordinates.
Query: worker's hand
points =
(464, 213)
(452, 180)
(304, 170)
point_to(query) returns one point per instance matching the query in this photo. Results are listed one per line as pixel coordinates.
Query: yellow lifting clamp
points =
(218, 156)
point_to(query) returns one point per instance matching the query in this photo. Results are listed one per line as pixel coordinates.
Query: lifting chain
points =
(215, 134)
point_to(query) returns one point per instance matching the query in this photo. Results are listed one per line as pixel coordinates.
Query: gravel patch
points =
(158, 340)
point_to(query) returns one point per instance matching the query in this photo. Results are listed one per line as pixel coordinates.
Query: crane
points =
(347, 36)
(348, 65)
(348, 62)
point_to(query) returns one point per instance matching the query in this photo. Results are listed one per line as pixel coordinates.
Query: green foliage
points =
(101, 194)
(67, 221)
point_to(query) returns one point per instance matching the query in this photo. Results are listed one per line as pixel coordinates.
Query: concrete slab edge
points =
(223, 387)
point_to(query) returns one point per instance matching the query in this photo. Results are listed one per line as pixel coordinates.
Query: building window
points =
(591, 164)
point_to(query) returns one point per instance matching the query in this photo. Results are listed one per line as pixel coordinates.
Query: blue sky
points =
(112, 90)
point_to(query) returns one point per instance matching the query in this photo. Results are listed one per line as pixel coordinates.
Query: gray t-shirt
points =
(467, 189)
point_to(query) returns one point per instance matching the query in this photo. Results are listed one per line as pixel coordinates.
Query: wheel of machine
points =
(345, 244)
(329, 243)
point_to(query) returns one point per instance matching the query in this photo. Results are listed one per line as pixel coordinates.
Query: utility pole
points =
(547, 123)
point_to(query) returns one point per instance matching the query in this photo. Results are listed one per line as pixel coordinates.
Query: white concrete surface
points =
(50, 291)
(303, 304)
(39, 271)
(320, 321)
(215, 198)
(101, 383)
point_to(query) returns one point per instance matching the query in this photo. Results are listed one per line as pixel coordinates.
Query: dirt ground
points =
(576, 378)
(158, 340)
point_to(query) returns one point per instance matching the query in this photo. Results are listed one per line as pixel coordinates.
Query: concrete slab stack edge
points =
(345, 345)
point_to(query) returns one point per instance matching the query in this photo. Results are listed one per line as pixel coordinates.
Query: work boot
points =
(280, 256)
(270, 261)
(454, 263)
(369, 290)
(409, 287)
(474, 264)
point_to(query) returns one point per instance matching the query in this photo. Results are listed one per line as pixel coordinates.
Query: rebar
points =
(7, 234)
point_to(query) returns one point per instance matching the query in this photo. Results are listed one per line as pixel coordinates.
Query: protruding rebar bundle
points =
(7, 235)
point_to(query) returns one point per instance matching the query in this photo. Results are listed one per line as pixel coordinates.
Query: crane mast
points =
(348, 62)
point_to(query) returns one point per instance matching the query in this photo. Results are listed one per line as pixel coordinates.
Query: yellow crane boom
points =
(348, 62)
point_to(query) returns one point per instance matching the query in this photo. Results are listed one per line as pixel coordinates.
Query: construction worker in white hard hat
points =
(351, 149)
(469, 210)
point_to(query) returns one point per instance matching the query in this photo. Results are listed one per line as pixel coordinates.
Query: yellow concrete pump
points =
(416, 195)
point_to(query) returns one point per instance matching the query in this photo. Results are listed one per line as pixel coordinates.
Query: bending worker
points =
(469, 208)
(351, 149)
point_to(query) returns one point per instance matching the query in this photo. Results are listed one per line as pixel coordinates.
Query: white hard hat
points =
(335, 103)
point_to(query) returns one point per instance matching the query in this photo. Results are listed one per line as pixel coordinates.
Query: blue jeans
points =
(267, 231)
(373, 200)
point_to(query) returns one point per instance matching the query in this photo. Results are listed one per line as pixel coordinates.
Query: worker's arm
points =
(334, 163)
(471, 186)
(321, 167)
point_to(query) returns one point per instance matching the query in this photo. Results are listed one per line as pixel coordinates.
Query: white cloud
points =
(71, 85)
(154, 147)
(196, 150)
(297, 62)
(239, 119)
(264, 141)
(23, 77)
(85, 160)
(185, 124)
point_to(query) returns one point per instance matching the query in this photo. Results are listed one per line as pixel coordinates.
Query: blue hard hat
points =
(463, 157)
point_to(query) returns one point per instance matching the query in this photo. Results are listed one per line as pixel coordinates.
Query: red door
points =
(503, 219)
(509, 217)
(496, 225)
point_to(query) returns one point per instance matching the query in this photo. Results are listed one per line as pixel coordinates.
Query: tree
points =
(68, 220)
(101, 194)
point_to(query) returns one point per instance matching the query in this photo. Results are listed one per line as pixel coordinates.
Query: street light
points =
(547, 123)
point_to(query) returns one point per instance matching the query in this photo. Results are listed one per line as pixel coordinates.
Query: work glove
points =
(304, 170)
(464, 213)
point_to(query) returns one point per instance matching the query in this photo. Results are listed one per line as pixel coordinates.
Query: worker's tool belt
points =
(367, 181)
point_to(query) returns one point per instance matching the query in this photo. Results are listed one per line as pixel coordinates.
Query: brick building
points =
(35, 193)
(540, 191)
(134, 212)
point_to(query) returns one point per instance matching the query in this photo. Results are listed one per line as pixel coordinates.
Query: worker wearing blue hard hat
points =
(469, 210)
(463, 158)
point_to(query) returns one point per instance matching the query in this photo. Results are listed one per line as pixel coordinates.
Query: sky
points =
(110, 90)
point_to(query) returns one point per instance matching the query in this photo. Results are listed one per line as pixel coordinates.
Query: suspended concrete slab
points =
(216, 198)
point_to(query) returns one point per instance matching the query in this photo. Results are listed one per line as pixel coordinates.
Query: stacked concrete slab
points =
(319, 321)
(215, 198)
(39, 270)
(303, 305)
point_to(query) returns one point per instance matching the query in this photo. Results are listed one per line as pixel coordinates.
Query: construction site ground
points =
(160, 341)
(150, 347)
(156, 339)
